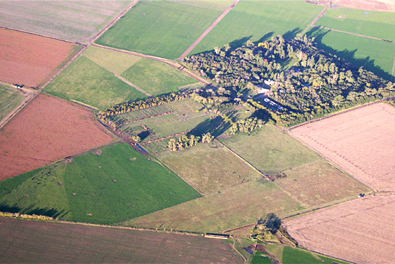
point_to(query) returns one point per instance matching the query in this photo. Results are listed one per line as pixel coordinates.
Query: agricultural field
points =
(106, 186)
(369, 23)
(204, 169)
(9, 99)
(259, 21)
(24, 241)
(374, 55)
(70, 20)
(361, 141)
(270, 150)
(162, 28)
(351, 230)
(30, 60)
(87, 82)
(46, 130)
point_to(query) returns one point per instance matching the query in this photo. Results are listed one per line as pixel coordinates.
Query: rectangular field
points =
(89, 83)
(374, 55)
(29, 59)
(161, 28)
(361, 141)
(203, 167)
(9, 99)
(38, 242)
(369, 23)
(70, 20)
(259, 21)
(270, 150)
(351, 230)
(46, 130)
(107, 186)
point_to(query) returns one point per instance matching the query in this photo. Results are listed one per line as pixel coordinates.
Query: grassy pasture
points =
(161, 28)
(258, 21)
(374, 55)
(87, 82)
(270, 150)
(9, 99)
(104, 187)
(40, 242)
(203, 167)
(374, 24)
(308, 183)
(260, 258)
(300, 256)
(156, 77)
(71, 20)
(233, 207)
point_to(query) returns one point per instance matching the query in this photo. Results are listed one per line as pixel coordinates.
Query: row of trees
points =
(188, 141)
(245, 125)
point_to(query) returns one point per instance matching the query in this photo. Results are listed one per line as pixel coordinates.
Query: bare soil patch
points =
(361, 141)
(29, 59)
(47, 130)
(361, 231)
(374, 5)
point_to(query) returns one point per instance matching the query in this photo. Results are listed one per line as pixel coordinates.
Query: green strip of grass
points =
(9, 99)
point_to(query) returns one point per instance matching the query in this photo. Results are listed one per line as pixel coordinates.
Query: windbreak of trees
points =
(188, 141)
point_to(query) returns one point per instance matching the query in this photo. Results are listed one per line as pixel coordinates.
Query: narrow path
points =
(314, 20)
(133, 85)
(194, 44)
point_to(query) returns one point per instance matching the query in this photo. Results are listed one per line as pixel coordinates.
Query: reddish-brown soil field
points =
(29, 59)
(361, 231)
(47, 130)
(24, 241)
(375, 5)
(361, 141)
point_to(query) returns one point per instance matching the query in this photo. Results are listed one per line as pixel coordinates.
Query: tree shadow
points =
(216, 126)
(32, 209)
(348, 55)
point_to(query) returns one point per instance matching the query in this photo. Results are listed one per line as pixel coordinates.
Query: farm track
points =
(133, 85)
(204, 34)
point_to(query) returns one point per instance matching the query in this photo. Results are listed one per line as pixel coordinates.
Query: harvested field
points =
(46, 130)
(30, 241)
(29, 59)
(361, 231)
(71, 20)
(377, 5)
(361, 141)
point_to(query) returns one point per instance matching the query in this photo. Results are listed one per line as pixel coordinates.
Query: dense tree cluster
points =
(245, 125)
(304, 80)
(188, 141)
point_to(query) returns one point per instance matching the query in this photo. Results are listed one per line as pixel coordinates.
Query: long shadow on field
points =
(348, 55)
(216, 126)
(30, 210)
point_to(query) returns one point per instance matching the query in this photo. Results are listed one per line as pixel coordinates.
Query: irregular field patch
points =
(71, 20)
(374, 55)
(89, 83)
(161, 28)
(29, 59)
(270, 150)
(203, 167)
(106, 186)
(351, 230)
(46, 130)
(371, 23)
(299, 256)
(60, 242)
(9, 99)
(361, 141)
(259, 21)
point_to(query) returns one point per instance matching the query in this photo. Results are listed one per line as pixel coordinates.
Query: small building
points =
(217, 236)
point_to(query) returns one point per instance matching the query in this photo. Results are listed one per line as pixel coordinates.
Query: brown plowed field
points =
(47, 130)
(361, 231)
(375, 5)
(361, 141)
(29, 59)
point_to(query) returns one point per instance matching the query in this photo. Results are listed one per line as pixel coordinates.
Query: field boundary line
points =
(132, 85)
(205, 33)
(245, 260)
(355, 34)
(315, 20)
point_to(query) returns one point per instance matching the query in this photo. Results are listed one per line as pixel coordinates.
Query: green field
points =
(259, 21)
(260, 258)
(9, 99)
(108, 187)
(162, 28)
(24, 241)
(299, 256)
(374, 24)
(156, 77)
(203, 167)
(231, 208)
(270, 150)
(87, 82)
(374, 55)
